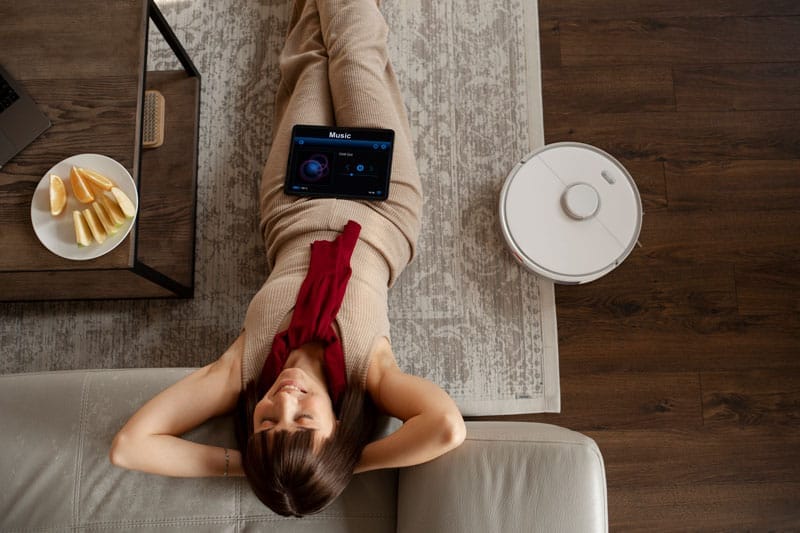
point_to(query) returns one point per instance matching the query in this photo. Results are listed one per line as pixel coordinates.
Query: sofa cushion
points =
(510, 476)
(57, 430)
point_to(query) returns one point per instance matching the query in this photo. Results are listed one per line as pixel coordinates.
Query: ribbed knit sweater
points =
(380, 254)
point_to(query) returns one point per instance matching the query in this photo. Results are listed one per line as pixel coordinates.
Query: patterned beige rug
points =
(464, 314)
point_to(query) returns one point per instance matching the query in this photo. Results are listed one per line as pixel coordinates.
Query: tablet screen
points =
(340, 162)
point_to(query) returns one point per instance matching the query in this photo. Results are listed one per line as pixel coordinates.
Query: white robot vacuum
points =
(570, 212)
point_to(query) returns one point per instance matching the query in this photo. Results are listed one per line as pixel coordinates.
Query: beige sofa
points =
(57, 428)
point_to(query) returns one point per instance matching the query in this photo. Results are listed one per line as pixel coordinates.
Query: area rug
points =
(463, 314)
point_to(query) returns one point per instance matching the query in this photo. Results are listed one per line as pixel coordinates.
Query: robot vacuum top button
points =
(580, 201)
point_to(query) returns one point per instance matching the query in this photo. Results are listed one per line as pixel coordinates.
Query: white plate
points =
(57, 234)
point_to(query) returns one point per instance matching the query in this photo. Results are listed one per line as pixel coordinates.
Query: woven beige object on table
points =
(153, 119)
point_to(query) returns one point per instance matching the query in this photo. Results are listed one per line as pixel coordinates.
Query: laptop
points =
(21, 121)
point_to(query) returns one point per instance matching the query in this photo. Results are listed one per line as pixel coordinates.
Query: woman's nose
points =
(284, 403)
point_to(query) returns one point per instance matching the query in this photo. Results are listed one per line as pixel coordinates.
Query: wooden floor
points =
(684, 363)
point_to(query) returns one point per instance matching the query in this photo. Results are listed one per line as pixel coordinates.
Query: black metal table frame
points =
(169, 36)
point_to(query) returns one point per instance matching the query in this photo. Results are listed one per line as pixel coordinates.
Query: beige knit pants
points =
(335, 71)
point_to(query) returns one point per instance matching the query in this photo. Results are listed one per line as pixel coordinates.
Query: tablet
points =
(338, 162)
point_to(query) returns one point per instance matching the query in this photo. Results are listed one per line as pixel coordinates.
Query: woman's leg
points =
(303, 97)
(365, 93)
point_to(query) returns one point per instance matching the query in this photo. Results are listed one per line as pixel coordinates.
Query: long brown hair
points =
(288, 475)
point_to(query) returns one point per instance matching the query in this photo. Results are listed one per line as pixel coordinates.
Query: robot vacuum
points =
(570, 212)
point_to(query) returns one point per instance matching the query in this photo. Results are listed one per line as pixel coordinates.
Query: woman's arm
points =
(432, 423)
(150, 441)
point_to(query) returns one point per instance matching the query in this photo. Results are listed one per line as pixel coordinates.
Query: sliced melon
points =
(97, 230)
(113, 210)
(104, 218)
(82, 236)
(124, 202)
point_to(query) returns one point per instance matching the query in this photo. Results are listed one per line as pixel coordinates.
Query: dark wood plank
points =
(77, 285)
(733, 185)
(665, 507)
(168, 182)
(724, 236)
(646, 317)
(43, 36)
(650, 180)
(690, 136)
(764, 398)
(599, 10)
(653, 400)
(735, 87)
(718, 455)
(88, 116)
(549, 47)
(772, 288)
(608, 89)
(661, 294)
(650, 315)
(679, 40)
(619, 346)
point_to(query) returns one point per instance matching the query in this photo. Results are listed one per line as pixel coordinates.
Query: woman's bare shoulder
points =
(381, 361)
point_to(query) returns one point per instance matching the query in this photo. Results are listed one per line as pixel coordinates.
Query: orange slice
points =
(58, 195)
(95, 178)
(82, 235)
(97, 230)
(79, 187)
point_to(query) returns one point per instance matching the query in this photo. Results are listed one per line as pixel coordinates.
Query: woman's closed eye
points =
(303, 420)
(300, 420)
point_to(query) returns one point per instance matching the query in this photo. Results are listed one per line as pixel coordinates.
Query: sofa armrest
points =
(508, 476)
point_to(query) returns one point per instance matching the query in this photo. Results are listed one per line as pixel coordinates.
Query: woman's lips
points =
(290, 384)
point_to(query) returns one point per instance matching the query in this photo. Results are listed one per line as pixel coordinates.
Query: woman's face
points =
(297, 401)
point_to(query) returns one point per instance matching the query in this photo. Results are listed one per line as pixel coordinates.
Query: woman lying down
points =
(313, 367)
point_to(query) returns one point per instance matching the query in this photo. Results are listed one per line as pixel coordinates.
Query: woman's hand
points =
(150, 441)
(432, 423)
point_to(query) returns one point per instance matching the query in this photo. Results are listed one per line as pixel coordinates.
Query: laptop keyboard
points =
(7, 95)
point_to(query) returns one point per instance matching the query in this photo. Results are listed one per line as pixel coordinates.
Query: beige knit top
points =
(386, 244)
